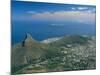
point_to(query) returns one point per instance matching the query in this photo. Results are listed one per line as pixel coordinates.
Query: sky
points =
(39, 11)
(83, 2)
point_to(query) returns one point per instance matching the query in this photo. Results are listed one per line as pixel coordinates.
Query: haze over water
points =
(46, 20)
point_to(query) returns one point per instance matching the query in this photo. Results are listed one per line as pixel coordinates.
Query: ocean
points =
(44, 30)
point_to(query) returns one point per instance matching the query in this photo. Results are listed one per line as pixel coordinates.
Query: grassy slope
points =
(77, 55)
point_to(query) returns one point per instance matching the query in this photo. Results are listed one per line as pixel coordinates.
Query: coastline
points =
(49, 40)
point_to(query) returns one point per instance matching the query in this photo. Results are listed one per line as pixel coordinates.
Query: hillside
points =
(68, 53)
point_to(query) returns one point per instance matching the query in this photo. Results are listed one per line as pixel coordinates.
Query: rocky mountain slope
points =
(68, 53)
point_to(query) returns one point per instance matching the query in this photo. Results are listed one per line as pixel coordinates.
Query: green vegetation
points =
(69, 53)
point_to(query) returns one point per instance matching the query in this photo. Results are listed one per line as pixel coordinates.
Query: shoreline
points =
(49, 40)
(53, 39)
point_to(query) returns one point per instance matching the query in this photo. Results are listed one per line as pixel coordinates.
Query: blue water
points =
(44, 30)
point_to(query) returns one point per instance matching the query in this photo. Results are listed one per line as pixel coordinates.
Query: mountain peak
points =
(28, 36)
(28, 40)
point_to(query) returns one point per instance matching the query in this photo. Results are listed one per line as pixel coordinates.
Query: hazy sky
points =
(35, 11)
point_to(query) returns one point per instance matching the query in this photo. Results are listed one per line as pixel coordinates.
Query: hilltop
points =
(63, 54)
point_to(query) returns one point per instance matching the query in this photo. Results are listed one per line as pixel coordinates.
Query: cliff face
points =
(67, 53)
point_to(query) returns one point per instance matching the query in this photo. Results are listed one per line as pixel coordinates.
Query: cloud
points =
(78, 16)
(31, 12)
(73, 8)
(82, 8)
(85, 9)
(79, 8)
